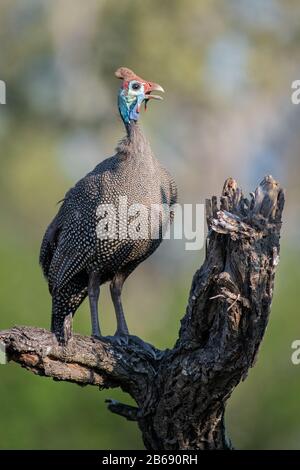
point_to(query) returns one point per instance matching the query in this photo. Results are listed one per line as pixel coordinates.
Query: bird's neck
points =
(135, 143)
(135, 134)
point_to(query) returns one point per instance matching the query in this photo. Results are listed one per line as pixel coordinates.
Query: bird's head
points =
(133, 93)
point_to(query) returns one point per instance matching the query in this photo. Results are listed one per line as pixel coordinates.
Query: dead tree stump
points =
(181, 394)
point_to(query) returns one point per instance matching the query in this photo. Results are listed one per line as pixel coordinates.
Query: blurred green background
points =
(227, 68)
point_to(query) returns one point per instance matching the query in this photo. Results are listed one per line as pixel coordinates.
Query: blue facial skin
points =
(129, 103)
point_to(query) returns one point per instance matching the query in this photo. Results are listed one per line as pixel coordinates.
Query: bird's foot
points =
(99, 337)
(124, 339)
(150, 350)
(119, 338)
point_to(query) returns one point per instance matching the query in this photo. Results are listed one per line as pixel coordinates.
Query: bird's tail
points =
(65, 302)
(61, 326)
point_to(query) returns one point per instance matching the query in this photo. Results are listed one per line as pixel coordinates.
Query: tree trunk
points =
(181, 394)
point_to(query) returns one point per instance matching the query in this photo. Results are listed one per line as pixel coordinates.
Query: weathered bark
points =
(181, 393)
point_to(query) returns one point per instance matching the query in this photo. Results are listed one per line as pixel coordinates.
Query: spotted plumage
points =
(74, 258)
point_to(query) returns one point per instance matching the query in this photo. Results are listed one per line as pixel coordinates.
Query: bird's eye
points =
(136, 86)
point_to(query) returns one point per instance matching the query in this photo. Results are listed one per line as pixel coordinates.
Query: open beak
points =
(149, 88)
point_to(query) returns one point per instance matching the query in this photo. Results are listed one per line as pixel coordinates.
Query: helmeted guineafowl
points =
(76, 256)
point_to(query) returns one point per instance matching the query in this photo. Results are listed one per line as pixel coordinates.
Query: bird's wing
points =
(170, 186)
(173, 192)
(75, 230)
(51, 237)
(75, 249)
(65, 266)
(48, 245)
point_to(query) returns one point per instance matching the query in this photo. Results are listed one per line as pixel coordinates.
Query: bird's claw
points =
(121, 339)
(148, 348)
(98, 337)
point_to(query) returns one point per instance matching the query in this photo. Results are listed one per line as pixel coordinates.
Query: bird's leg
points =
(93, 292)
(115, 290)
